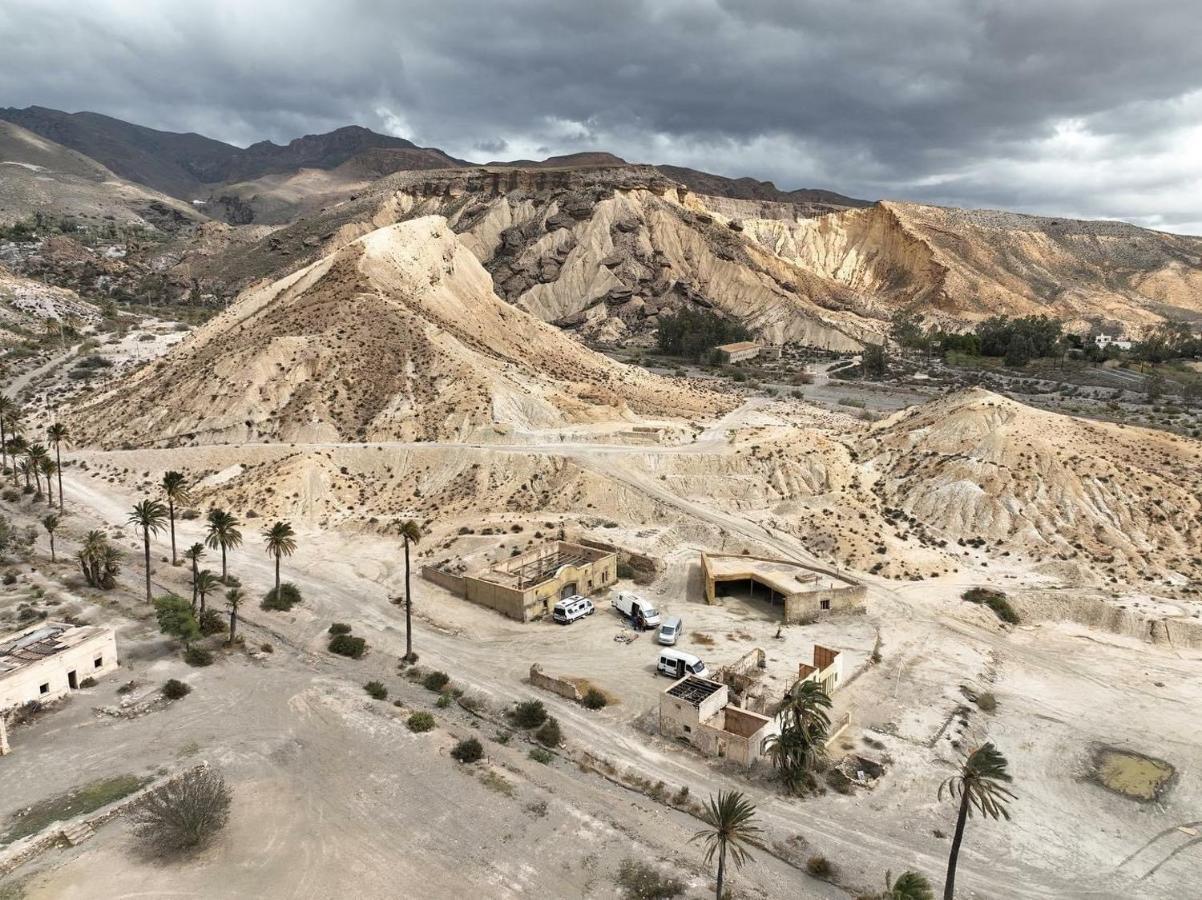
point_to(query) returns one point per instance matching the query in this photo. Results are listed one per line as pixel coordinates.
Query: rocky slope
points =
(988, 471)
(395, 336)
(40, 176)
(958, 266)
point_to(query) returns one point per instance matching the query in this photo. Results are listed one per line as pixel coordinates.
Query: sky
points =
(1086, 108)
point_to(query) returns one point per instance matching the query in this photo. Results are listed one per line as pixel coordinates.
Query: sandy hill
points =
(959, 266)
(38, 175)
(30, 308)
(397, 335)
(984, 468)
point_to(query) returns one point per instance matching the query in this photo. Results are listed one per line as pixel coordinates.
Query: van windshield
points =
(666, 629)
(697, 667)
(649, 611)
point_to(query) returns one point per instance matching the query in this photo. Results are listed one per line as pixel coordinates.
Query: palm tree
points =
(281, 541)
(979, 784)
(58, 434)
(730, 828)
(16, 446)
(411, 533)
(175, 488)
(148, 515)
(233, 599)
(8, 408)
(50, 523)
(25, 467)
(205, 581)
(195, 553)
(223, 534)
(48, 467)
(908, 886)
(36, 453)
(802, 738)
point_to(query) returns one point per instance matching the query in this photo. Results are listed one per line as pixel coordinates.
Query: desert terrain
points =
(399, 375)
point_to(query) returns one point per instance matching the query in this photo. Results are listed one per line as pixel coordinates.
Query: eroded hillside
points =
(396, 336)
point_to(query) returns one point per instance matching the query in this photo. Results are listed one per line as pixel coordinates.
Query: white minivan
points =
(633, 607)
(569, 609)
(670, 630)
(677, 664)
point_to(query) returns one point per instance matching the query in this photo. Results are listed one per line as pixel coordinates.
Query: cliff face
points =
(959, 266)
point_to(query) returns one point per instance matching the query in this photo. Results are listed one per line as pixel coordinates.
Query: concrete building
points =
(699, 711)
(1109, 340)
(803, 593)
(51, 659)
(527, 586)
(738, 351)
(827, 669)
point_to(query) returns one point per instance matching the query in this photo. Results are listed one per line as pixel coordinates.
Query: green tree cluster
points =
(694, 333)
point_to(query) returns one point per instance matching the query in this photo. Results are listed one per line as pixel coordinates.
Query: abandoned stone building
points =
(699, 711)
(528, 585)
(738, 351)
(49, 660)
(803, 593)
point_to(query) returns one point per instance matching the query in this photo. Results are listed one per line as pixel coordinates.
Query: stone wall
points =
(806, 607)
(560, 686)
(453, 583)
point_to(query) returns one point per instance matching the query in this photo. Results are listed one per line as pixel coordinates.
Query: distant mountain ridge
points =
(185, 165)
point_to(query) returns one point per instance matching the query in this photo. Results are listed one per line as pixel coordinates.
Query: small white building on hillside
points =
(49, 660)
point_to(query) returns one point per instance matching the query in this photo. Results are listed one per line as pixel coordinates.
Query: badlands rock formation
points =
(396, 336)
(1125, 502)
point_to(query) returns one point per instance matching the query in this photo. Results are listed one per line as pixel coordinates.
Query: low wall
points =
(453, 583)
(561, 686)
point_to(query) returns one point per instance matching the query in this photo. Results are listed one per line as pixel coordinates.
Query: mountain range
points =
(591, 242)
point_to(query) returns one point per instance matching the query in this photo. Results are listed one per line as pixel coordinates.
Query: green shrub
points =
(436, 681)
(346, 645)
(198, 656)
(642, 881)
(549, 734)
(529, 714)
(420, 721)
(594, 699)
(376, 690)
(986, 702)
(340, 628)
(995, 600)
(289, 596)
(211, 622)
(541, 755)
(468, 750)
(174, 689)
(88, 682)
(502, 737)
(443, 701)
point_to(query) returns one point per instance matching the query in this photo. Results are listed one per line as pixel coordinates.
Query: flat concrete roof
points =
(42, 641)
(780, 575)
(739, 346)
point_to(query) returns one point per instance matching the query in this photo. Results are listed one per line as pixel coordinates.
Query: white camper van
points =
(678, 664)
(632, 606)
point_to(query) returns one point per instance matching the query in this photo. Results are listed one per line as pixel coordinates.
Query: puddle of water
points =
(1132, 774)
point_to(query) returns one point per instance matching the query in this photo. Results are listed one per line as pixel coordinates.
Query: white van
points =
(670, 630)
(631, 605)
(677, 664)
(569, 609)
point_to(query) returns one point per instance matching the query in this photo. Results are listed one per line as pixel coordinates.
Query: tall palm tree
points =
(195, 554)
(281, 541)
(233, 600)
(206, 581)
(175, 488)
(16, 446)
(48, 467)
(8, 408)
(411, 533)
(979, 784)
(148, 515)
(802, 738)
(729, 818)
(58, 434)
(224, 534)
(35, 453)
(50, 523)
(25, 467)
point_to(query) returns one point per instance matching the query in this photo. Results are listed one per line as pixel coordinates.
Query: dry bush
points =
(182, 815)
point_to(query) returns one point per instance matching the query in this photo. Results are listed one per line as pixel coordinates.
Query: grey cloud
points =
(969, 102)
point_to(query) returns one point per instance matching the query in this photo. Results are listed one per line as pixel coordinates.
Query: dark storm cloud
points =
(1066, 106)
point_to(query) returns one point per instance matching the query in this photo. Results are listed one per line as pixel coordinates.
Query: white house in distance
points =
(1109, 340)
(49, 660)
